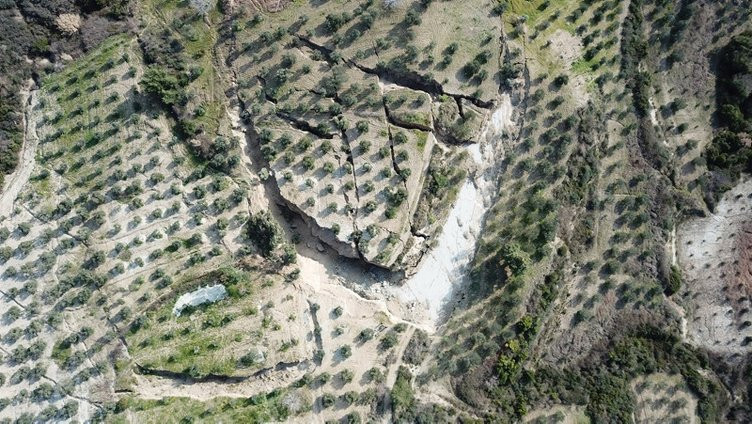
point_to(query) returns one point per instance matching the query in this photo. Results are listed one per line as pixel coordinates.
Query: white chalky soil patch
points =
(446, 263)
(445, 266)
(713, 254)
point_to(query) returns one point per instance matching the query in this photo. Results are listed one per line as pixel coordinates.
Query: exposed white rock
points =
(446, 265)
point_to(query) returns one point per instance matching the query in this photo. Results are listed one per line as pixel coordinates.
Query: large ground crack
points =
(395, 165)
(304, 126)
(405, 78)
(356, 236)
(273, 188)
(216, 378)
(316, 329)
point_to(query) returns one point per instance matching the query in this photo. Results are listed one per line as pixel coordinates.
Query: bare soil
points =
(713, 253)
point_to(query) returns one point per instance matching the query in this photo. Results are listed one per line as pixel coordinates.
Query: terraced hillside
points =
(348, 117)
(377, 211)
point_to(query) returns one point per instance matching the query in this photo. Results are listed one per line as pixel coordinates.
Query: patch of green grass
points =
(422, 137)
(526, 8)
(582, 66)
(106, 51)
(259, 408)
(206, 339)
(197, 34)
(213, 113)
(42, 187)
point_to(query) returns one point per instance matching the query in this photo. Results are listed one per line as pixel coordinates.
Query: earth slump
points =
(444, 267)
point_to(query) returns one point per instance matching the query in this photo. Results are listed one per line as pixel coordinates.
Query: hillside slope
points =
(415, 211)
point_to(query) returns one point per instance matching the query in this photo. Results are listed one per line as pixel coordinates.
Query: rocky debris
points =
(255, 356)
(68, 23)
(458, 120)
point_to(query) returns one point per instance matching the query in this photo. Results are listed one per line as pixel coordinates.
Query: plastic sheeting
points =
(209, 294)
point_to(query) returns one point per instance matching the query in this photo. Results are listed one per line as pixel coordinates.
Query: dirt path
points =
(16, 180)
(154, 387)
(391, 376)
(399, 351)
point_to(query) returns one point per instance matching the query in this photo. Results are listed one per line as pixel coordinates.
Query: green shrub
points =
(388, 341)
(402, 395)
(345, 351)
(513, 258)
(674, 282)
(327, 400)
(164, 84)
(264, 231)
